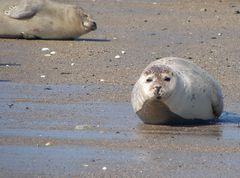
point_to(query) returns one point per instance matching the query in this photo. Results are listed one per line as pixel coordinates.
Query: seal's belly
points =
(156, 112)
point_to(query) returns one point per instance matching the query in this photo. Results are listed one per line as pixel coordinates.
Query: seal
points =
(43, 19)
(173, 90)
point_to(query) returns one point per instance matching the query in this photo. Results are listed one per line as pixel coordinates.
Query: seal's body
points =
(43, 19)
(173, 90)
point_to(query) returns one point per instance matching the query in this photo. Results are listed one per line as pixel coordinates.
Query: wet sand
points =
(77, 121)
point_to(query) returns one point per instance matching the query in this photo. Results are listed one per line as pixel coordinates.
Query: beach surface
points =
(68, 114)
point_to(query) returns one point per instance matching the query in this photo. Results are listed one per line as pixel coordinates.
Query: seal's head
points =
(152, 92)
(158, 82)
(87, 22)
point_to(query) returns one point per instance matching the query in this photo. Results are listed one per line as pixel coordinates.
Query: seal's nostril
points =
(158, 88)
(94, 26)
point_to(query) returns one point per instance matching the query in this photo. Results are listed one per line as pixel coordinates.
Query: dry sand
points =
(77, 120)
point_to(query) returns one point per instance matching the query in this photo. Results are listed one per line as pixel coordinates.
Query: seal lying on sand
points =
(176, 91)
(43, 19)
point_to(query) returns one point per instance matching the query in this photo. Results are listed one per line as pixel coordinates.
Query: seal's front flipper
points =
(216, 101)
(28, 36)
(24, 10)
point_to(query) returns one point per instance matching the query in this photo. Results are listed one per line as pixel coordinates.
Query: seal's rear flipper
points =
(23, 10)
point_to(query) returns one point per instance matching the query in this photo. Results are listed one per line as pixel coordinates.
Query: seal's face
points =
(158, 82)
(87, 21)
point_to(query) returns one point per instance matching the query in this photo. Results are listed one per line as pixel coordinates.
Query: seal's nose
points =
(157, 92)
(94, 26)
(91, 25)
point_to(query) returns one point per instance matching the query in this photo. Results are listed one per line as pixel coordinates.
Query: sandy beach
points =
(69, 114)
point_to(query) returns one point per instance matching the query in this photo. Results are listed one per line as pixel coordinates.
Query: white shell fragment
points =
(43, 76)
(102, 80)
(117, 57)
(203, 10)
(45, 49)
(123, 52)
(104, 168)
(48, 54)
(47, 144)
(72, 64)
(82, 127)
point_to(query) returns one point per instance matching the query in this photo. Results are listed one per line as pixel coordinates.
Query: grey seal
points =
(43, 19)
(173, 90)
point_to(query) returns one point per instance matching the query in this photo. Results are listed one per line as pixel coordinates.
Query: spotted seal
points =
(173, 90)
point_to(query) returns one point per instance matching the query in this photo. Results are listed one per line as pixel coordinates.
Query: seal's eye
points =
(149, 80)
(167, 79)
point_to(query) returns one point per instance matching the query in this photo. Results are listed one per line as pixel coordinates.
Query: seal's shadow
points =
(5, 81)
(229, 117)
(92, 40)
(213, 129)
(9, 64)
(70, 39)
(226, 117)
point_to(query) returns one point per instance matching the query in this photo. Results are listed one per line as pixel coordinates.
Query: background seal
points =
(43, 19)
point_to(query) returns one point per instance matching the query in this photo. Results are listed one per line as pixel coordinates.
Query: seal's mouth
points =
(91, 25)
